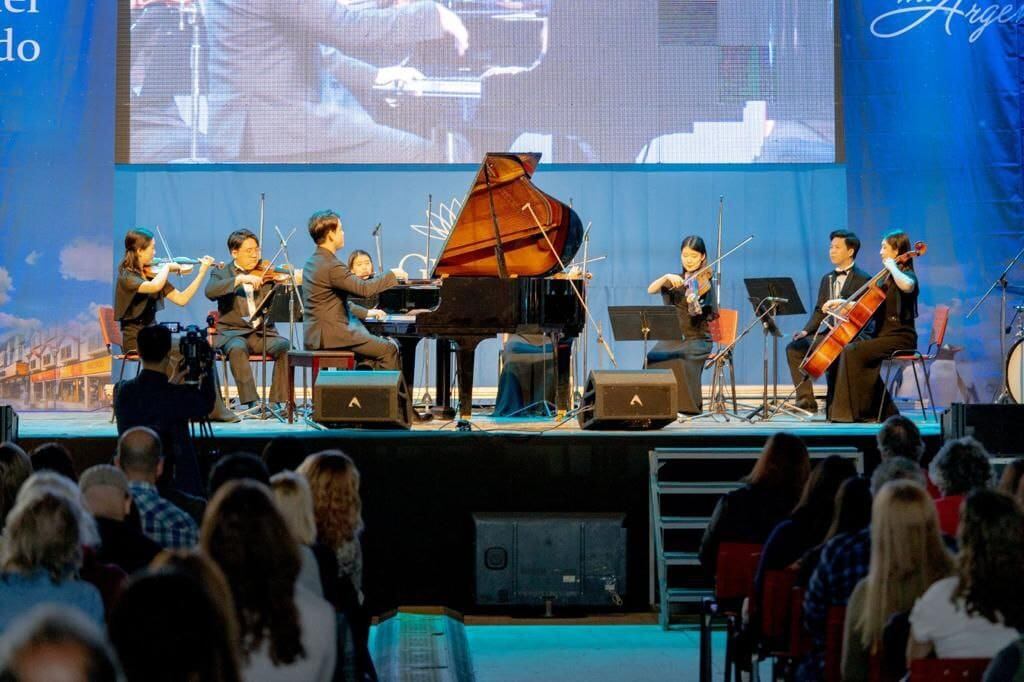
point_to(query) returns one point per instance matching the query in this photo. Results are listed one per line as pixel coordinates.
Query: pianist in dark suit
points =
(839, 283)
(237, 290)
(331, 322)
(269, 66)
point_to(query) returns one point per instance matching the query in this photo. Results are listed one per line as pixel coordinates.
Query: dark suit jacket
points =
(231, 303)
(151, 400)
(855, 280)
(266, 71)
(326, 287)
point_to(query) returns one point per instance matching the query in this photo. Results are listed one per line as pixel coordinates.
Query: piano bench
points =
(314, 360)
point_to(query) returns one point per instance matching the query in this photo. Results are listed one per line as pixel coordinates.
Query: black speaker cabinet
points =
(1000, 428)
(618, 399)
(346, 398)
(8, 423)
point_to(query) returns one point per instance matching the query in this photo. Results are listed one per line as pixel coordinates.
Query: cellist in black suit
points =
(838, 284)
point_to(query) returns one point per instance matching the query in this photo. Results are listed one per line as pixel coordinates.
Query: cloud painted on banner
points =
(912, 14)
(33, 257)
(87, 261)
(6, 286)
(22, 325)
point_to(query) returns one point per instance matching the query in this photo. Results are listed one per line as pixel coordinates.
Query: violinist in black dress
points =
(695, 310)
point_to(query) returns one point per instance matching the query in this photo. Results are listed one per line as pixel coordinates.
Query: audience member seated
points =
(899, 437)
(844, 562)
(852, 514)
(337, 506)
(284, 453)
(960, 616)
(40, 559)
(1008, 664)
(807, 526)
(1010, 483)
(53, 457)
(238, 466)
(295, 502)
(15, 468)
(122, 542)
(205, 571)
(107, 578)
(961, 466)
(166, 627)
(140, 457)
(56, 644)
(287, 632)
(149, 399)
(907, 556)
(748, 514)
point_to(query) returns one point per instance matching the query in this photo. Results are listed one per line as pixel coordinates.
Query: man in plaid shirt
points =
(139, 456)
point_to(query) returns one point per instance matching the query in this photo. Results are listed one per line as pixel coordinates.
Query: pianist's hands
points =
(401, 274)
(400, 77)
(453, 26)
(376, 314)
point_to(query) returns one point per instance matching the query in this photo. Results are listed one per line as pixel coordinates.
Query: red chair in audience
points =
(734, 582)
(834, 643)
(958, 669)
(776, 617)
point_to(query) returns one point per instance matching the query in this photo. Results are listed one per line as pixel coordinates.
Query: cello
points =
(861, 307)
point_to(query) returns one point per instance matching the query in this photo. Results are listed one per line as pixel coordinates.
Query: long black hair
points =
(134, 241)
(898, 239)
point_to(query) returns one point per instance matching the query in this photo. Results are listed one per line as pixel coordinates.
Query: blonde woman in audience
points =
(40, 559)
(295, 502)
(907, 557)
(287, 632)
(334, 481)
(960, 616)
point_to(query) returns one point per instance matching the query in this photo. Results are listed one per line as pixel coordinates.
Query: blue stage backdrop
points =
(931, 120)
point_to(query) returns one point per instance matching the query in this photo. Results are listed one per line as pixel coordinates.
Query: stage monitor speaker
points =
(8, 424)
(538, 559)
(629, 399)
(350, 398)
(997, 427)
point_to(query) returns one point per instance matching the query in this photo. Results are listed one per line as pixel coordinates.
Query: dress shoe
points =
(809, 404)
(224, 415)
(421, 417)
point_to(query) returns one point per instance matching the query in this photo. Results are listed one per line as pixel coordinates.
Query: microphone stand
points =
(1004, 394)
(428, 400)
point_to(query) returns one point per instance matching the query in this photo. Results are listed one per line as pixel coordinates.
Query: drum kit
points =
(1012, 389)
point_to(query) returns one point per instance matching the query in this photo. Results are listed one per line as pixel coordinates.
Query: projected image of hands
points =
(398, 82)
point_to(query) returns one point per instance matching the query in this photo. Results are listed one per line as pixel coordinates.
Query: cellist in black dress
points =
(859, 388)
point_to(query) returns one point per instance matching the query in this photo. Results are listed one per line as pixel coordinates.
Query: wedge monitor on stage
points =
(354, 81)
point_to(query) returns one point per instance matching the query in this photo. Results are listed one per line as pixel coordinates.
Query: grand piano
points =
(497, 273)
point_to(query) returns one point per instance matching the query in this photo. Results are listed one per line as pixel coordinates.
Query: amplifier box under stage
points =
(8, 424)
(1000, 428)
(629, 399)
(347, 398)
(558, 559)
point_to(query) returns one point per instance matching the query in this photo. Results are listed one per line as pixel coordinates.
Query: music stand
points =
(644, 323)
(772, 296)
(265, 313)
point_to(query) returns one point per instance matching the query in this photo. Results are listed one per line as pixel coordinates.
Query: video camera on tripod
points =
(196, 354)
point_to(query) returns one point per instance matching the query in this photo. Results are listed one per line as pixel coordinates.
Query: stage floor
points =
(60, 425)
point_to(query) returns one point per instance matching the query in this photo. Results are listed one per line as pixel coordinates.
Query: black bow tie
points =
(840, 273)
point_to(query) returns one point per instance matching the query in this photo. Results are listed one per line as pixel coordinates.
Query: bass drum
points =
(1015, 372)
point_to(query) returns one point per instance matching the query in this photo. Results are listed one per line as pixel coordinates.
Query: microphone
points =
(376, 230)
(775, 299)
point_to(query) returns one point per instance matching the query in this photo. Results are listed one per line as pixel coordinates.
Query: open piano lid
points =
(503, 181)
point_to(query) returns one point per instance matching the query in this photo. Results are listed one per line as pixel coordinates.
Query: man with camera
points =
(150, 399)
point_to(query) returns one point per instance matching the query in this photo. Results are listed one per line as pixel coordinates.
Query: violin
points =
(274, 273)
(185, 264)
(697, 285)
